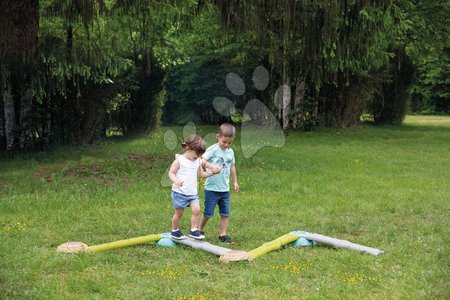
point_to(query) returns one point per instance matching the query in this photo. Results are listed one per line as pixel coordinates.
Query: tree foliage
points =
(426, 40)
(96, 63)
(202, 56)
(72, 68)
(331, 53)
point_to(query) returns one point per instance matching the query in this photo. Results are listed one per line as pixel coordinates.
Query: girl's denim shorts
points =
(182, 200)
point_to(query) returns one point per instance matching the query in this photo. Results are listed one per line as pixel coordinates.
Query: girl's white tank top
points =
(188, 173)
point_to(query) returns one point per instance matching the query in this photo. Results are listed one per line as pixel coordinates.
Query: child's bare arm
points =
(215, 169)
(173, 174)
(204, 174)
(234, 178)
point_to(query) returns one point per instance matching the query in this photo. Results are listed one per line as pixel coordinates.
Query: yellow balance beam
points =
(273, 245)
(125, 243)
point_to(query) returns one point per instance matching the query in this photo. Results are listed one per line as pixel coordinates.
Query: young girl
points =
(184, 174)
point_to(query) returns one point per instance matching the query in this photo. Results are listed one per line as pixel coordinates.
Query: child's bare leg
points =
(195, 207)
(176, 218)
(203, 222)
(223, 225)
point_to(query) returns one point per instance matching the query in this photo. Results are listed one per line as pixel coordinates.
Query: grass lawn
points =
(384, 187)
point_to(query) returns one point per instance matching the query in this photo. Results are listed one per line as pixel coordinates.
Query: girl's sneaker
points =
(196, 234)
(177, 234)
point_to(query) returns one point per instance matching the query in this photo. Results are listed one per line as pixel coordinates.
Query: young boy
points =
(217, 188)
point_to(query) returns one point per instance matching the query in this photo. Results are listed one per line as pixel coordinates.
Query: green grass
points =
(385, 187)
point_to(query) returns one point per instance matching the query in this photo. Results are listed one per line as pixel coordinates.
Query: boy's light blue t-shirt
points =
(224, 159)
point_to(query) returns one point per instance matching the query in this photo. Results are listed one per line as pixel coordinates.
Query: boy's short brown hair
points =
(227, 130)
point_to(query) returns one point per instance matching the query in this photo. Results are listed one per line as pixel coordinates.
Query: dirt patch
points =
(110, 172)
(5, 185)
(434, 121)
(48, 171)
(143, 158)
(85, 170)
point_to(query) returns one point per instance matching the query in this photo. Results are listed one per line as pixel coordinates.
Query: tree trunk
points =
(2, 123)
(391, 103)
(284, 100)
(46, 122)
(66, 103)
(8, 103)
(26, 121)
(286, 106)
(19, 24)
(348, 102)
(298, 99)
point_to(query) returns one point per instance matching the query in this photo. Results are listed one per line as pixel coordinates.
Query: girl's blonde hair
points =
(195, 143)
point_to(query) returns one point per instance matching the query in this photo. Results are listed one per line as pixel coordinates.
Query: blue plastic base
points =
(165, 241)
(301, 242)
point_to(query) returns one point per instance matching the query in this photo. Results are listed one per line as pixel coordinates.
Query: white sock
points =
(194, 229)
(173, 230)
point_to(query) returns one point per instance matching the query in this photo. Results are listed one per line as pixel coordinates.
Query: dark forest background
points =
(72, 69)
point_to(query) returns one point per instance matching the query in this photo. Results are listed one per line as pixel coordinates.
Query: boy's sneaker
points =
(197, 234)
(177, 234)
(225, 239)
